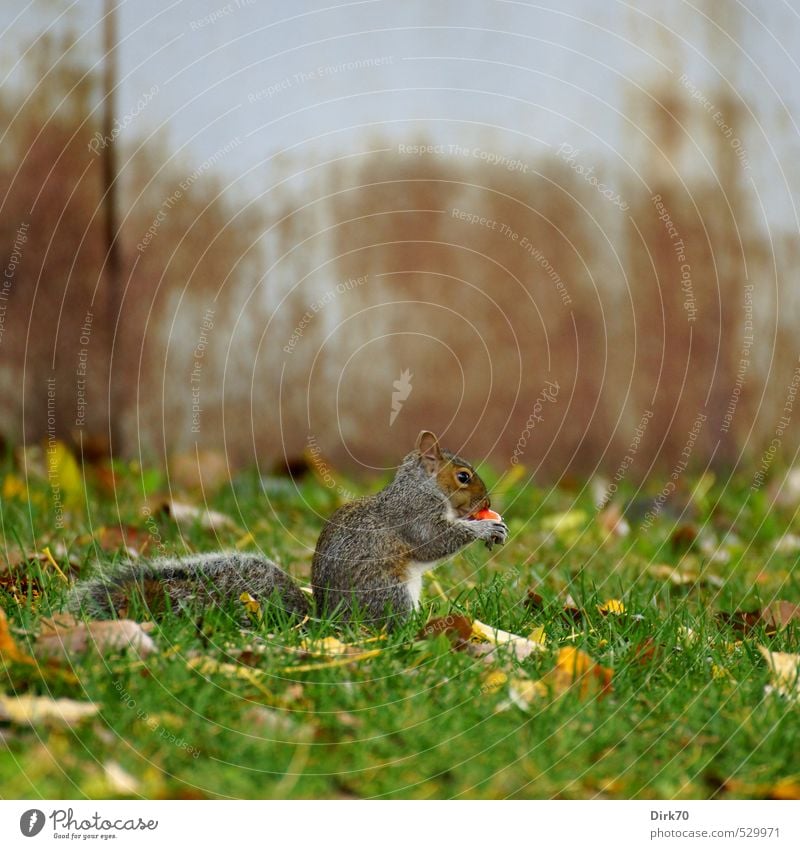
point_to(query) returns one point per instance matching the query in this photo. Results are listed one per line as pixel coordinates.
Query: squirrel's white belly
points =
(414, 580)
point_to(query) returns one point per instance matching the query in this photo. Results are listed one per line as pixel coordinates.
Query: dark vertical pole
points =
(113, 258)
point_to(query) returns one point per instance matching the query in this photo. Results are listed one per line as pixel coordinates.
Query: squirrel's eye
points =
(463, 477)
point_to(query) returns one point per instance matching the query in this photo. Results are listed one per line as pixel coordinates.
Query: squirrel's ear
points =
(428, 447)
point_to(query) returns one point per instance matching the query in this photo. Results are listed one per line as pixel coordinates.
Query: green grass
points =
(416, 720)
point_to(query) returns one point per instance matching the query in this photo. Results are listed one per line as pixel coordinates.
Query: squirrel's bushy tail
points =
(191, 581)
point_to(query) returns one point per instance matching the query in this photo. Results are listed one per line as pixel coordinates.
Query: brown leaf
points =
(772, 618)
(61, 638)
(534, 602)
(684, 538)
(458, 629)
(743, 621)
(648, 652)
(132, 540)
(779, 614)
(613, 522)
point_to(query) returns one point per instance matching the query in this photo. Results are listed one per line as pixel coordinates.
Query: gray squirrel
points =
(368, 563)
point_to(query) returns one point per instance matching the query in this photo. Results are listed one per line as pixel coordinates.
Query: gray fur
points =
(365, 547)
(366, 557)
(220, 578)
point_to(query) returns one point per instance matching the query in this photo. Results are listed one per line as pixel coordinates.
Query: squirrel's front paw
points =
(490, 531)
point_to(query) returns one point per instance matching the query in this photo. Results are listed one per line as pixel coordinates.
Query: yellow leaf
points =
(564, 522)
(523, 691)
(330, 664)
(329, 647)
(252, 607)
(520, 646)
(575, 668)
(786, 788)
(247, 540)
(719, 672)
(493, 682)
(209, 666)
(40, 710)
(14, 487)
(63, 471)
(613, 605)
(538, 635)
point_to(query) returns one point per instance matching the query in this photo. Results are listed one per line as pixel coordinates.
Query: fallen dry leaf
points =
(119, 781)
(64, 636)
(533, 601)
(781, 613)
(786, 789)
(772, 618)
(128, 538)
(684, 577)
(684, 538)
(521, 647)
(649, 652)
(785, 672)
(538, 635)
(523, 691)
(188, 515)
(613, 605)
(567, 527)
(9, 650)
(251, 606)
(208, 666)
(328, 647)
(40, 710)
(575, 668)
(493, 681)
(787, 544)
(458, 629)
(613, 522)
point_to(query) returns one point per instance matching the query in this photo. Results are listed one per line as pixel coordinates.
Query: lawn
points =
(680, 708)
